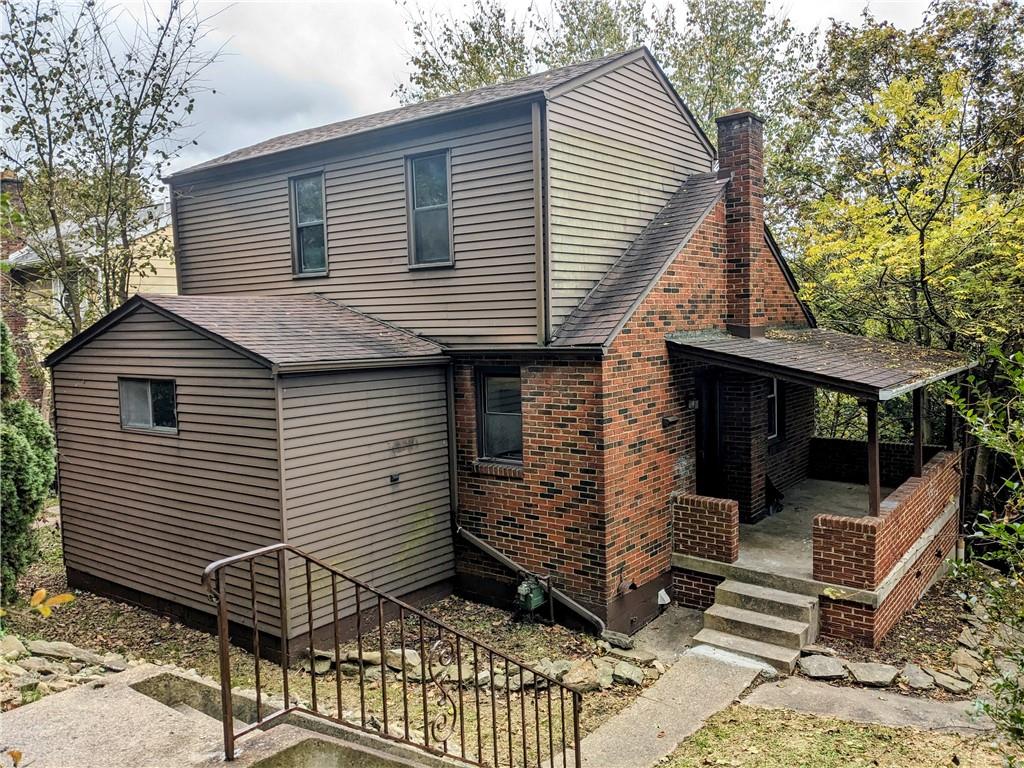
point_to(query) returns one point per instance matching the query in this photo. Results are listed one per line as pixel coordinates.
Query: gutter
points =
(615, 638)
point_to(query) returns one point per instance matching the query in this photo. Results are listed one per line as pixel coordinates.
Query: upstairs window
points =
(773, 409)
(148, 404)
(309, 236)
(500, 415)
(430, 222)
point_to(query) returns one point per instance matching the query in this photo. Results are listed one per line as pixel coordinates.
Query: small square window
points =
(430, 242)
(148, 404)
(309, 235)
(501, 415)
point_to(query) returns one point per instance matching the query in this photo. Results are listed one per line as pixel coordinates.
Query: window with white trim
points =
(148, 404)
(773, 409)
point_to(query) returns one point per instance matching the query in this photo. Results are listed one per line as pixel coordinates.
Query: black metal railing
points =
(406, 676)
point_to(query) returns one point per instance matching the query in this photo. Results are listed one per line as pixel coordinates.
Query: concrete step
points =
(774, 602)
(757, 626)
(782, 659)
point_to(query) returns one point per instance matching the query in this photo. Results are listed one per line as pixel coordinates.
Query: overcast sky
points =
(292, 65)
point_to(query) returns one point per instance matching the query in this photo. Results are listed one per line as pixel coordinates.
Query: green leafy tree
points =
(993, 412)
(27, 447)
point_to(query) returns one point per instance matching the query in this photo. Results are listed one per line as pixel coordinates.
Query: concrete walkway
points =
(864, 705)
(701, 683)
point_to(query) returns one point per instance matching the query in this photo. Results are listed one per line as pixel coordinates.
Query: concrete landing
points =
(862, 705)
(693, 689)
(669, 635)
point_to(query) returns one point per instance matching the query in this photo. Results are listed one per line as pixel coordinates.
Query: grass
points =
(748, 737)
(105, 625)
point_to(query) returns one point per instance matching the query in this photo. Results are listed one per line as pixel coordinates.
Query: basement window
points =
(148, 404)
(309, 235)
(500, 415)
(430, 210)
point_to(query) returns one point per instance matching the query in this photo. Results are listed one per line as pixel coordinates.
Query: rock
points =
(635, 656)
(11, 647)
(968, 639)
(369, 658)
(948, 682)
(55, 686)
(821, 667)
(348, 670)
(8, 670)
(604, 646)
(651, 674)
(1006, 668)
(483, 679)
(660, 667)
(62, 650)
(963, 658)
(917, 678)
(27, 682)
(813, 649)
(322, 662)
(371, 674)
(628, 674)
(582, 676)
(967, 674)
(115, 662)
(558, 669)
(870, 673)
(393, 658)
(43, 666)
(606, 678)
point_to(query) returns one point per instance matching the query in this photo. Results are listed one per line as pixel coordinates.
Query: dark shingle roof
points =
(526, 86)
(603, 311)
(865, 367)
(286, 332)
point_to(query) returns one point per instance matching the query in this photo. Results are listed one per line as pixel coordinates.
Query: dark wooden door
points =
(708, 443)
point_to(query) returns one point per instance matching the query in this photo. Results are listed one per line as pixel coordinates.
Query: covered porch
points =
(814, 515)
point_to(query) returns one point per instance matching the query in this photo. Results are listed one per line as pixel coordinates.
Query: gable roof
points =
(608, 306)
(540, 84)
(285, 333)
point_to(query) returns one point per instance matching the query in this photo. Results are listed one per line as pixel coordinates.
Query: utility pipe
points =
(557, 594)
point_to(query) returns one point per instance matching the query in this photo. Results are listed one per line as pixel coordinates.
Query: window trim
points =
(410, 217)
(153, 428)
(774, 403)
(482, 373)
(293, 221)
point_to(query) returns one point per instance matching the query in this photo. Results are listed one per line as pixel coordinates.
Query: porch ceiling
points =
(873, 369)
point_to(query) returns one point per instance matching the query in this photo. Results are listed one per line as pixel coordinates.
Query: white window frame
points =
(773, 407)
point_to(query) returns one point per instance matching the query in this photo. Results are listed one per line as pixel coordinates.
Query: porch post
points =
(874, 477)
(918, 431)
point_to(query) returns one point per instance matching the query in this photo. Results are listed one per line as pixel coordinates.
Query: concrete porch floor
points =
(781, 544)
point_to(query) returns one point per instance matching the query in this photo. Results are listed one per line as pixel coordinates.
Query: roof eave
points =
(327, 366)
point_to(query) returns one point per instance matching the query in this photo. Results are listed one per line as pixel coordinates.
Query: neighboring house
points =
(32, 294)
(534, 323)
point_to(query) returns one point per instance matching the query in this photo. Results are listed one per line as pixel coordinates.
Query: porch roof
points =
(873, 369)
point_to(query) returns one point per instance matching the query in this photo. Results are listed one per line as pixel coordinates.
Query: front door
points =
(709, 477)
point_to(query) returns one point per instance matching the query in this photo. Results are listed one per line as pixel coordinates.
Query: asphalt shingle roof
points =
(526, 86)
(614, 298)
(861, 366)
(283, 331)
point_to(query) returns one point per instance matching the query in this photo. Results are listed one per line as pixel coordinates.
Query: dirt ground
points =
(746, 737)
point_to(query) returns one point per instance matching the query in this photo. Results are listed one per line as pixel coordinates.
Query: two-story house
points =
(536, 328)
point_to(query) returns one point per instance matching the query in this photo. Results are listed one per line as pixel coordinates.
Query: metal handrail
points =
(445, 651)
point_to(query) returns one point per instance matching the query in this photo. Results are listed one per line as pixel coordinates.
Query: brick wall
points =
(788, 457)
(743, 440)
(706, 527)
(846, 461)
(860, 552)
(547, 515)
(694, 590)
(867, 625)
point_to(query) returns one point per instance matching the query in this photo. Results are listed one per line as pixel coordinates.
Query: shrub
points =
(27, 450)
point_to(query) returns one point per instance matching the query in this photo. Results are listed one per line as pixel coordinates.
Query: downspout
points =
(615, 638)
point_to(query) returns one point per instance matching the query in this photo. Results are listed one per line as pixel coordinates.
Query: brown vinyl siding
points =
(344, 435)
(619, 147)
(233, 233)
(150, 510)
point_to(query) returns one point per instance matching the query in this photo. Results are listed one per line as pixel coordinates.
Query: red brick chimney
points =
(741, 153)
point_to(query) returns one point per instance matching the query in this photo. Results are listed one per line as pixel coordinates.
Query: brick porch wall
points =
(863, 624)
(706, 527)
(789, 457)
(860, 552)
(846, 461)
(694, 590)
